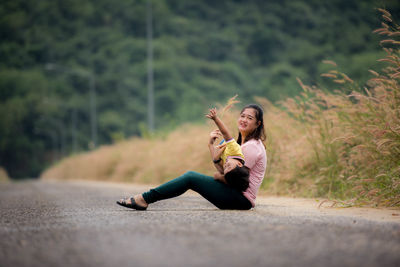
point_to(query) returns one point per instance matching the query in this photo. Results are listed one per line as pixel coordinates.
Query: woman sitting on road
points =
(251, 137)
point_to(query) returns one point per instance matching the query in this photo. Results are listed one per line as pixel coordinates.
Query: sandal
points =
(131, 205)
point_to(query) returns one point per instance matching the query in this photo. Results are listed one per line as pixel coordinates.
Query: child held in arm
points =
(227, 157)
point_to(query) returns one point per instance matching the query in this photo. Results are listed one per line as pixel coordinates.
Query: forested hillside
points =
(204, 52)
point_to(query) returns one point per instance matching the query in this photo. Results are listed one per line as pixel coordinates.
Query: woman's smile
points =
(242, 126)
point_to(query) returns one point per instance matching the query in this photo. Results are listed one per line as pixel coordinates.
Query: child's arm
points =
(221, 126)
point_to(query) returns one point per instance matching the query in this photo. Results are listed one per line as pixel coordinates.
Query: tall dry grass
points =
(150, 160)
(343, 147)
(3, 175)
(154, 159)
(355, 138)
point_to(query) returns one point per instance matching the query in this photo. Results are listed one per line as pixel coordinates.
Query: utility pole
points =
(73, 130)
(150, 76)
(93, 112)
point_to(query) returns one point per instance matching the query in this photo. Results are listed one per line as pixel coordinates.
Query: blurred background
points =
(78, 74)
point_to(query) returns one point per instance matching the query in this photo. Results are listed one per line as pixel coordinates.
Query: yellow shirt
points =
(233, 150)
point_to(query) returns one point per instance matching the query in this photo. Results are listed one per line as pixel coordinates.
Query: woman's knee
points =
(185, 178)
(195, 180)
(192, 176)
(189, 173)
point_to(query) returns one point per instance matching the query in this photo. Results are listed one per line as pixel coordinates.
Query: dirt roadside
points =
(298, 206)
(282, 206)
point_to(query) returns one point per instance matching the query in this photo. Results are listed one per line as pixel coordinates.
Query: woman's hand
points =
(214, 135)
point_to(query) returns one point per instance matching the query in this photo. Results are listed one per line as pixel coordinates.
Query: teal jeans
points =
(218, 193)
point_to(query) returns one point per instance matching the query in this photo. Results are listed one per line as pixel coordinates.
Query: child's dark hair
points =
(238, 178)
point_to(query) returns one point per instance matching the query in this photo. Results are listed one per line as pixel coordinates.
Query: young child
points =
(228, 157)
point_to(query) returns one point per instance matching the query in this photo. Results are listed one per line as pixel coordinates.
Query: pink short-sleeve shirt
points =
(256, 160)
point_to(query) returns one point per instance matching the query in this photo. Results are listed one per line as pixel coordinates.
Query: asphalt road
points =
(79, 224)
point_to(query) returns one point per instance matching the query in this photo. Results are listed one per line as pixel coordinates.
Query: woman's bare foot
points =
(138, 199)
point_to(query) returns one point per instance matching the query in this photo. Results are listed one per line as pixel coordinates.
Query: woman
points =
(251, 136)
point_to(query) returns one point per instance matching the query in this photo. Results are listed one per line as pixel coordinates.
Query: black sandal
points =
(131, 205)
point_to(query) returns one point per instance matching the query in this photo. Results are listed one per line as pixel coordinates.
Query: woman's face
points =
(247, 121)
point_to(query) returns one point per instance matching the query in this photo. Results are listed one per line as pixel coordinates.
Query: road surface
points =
(79, 224)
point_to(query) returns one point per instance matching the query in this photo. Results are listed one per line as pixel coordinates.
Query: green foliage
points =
(204, 52)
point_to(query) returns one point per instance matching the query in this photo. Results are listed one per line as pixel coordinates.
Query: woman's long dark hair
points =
(259, 133)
